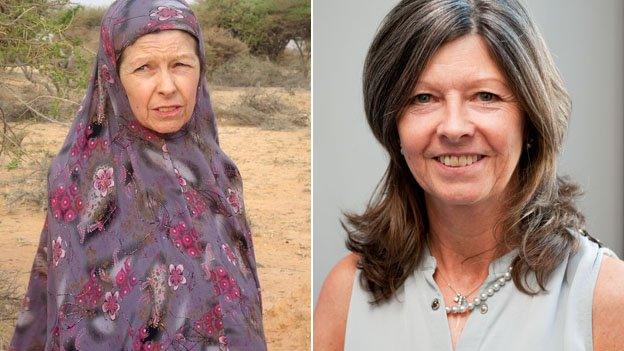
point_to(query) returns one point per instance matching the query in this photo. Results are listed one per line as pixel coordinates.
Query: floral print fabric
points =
(146, 244)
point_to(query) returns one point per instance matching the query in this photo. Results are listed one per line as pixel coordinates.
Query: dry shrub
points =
(30, 186)
(238, 115)
(58, 110)
(85, 29)
(18, 112)
(12, 143)
(10, 304)
(88, 17)
(296, 61)
(251, 71)
(262, 101)
(13, 87)
(19, 97)
(262, 109)
(221, 47)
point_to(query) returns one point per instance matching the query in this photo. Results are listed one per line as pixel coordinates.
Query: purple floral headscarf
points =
(146, 244)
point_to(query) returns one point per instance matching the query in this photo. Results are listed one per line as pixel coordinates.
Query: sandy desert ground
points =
(275, 165)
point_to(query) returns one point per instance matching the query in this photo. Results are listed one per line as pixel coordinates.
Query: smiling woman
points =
(462, 111)
(471, 241)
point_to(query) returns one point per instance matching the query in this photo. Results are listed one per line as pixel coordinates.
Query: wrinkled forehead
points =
(127, 20)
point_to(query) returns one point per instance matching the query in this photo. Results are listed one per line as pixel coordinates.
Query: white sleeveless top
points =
(560, 319)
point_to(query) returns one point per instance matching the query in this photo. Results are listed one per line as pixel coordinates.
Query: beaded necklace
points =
(461, 301)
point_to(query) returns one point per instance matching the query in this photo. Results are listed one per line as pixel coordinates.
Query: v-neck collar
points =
(427, 268)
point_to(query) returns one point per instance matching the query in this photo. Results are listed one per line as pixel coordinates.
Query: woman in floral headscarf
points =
(145, 244)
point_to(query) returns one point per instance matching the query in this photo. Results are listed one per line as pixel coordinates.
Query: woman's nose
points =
(166, 85)
(455, 124)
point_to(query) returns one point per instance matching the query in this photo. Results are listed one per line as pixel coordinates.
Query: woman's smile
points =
(460, 164)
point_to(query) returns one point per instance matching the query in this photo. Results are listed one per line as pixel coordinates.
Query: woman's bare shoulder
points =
(341, 276)
(608, 306)
(332, 307)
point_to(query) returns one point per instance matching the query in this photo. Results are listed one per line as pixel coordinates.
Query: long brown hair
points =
(391, 232)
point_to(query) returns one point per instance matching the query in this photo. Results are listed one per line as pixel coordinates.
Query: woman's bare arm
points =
(608, 306)
(332, 307)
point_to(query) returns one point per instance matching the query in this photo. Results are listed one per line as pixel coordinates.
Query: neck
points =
(463, 240)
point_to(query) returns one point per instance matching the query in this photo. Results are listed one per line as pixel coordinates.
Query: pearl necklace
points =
(461, 301)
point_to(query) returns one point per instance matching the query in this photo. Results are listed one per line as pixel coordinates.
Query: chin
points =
(167, 130)
(459, 197)
(459, 201)
(169, 127)
(164, 125)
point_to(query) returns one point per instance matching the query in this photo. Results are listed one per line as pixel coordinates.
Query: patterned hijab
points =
(146, 244)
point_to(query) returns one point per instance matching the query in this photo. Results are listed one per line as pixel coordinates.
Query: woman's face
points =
(160, 73)
(462, 132)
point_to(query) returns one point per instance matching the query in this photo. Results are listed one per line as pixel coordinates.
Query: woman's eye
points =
(422, 98)
(487, 97)
(142, 68)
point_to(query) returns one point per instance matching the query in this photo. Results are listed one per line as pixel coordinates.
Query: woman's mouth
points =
(167, 111)
(458, 160)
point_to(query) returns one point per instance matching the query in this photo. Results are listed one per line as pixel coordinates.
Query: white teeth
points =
(454, 161)
(458, 161)
(462, 161)
(166, 109)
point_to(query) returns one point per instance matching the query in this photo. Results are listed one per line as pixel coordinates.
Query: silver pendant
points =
(483, 308)
(461, 304)
(460, 299)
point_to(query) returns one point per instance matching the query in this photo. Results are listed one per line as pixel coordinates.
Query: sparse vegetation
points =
(13, 164)
(265, 26)
(34, 40)
(263, 108)
(221, 47)
(10, 303)
(252, 71)
(262, 101)
(28, 187)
